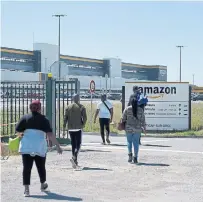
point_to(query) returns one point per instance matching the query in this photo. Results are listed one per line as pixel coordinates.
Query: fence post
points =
(123, 98)
(78, 86)
(53, 105)
(190, 108)
(49, 98)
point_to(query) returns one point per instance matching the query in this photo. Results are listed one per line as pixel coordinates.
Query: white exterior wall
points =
(49, 55)
(100, 82)
(115, 67)
(7, 75)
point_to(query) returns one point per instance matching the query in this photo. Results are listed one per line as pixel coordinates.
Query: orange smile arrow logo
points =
(156, 96)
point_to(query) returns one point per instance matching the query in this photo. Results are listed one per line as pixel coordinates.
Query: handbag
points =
(121, 125)
(13, 144)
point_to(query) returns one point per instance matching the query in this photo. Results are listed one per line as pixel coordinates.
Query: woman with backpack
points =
(134, 120)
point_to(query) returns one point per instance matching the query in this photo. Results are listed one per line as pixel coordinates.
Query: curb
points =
(148, 136)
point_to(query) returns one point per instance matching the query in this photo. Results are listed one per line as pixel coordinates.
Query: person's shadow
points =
(54, 196)
(96, 169)
(153, 164)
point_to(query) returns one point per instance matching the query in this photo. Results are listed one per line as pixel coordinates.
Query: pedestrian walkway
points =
(169, 170)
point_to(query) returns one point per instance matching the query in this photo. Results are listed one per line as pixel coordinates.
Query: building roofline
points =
(82, 59)
(69, 57)
(143, 66)
(16, 51)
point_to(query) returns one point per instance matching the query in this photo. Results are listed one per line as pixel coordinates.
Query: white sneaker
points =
(27, 191)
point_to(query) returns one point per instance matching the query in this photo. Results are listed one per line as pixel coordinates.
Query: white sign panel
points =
(168, 106)
(167, 124)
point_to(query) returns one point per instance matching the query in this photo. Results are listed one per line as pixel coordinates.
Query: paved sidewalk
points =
(169, 170)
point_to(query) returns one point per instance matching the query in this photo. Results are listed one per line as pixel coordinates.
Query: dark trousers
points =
(104, 123)
(76, 140)
(27, 168)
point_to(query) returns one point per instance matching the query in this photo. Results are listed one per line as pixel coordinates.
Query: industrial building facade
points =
(44, 58)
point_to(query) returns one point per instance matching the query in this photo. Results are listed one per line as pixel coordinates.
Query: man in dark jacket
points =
(76, 117)
(136, 94)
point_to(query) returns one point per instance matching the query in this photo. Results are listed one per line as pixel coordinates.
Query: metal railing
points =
(15, 100)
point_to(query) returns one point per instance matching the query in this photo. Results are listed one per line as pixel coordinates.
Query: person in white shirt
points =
(105, 112)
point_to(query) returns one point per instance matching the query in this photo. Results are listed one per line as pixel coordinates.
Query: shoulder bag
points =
(107, 107)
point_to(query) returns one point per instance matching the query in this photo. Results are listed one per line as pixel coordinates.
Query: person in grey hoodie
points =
(134, 121)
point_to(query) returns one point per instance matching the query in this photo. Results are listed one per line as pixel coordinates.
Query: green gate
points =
(54, 96)
(59, 96)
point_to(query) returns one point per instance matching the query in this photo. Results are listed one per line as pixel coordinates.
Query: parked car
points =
(95, 95)
(114, 96)
(198, 97)
(83, 95)
(35, 96)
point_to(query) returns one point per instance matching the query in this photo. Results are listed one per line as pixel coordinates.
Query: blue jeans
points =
(133, 139)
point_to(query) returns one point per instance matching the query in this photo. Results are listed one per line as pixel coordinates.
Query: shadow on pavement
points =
(153, 164)
(119, 145)
(89, 168)
(154, 145)
(51, 196)
(89, 150)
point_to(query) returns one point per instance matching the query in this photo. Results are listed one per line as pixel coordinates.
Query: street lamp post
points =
(59, 43)
(110, 68)
(59, 72)
(106, 77)
(45, 65)
(180, 47)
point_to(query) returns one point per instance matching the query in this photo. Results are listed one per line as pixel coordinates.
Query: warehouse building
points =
(110, 72)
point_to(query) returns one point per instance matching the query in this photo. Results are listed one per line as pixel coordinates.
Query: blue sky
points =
(137, 32)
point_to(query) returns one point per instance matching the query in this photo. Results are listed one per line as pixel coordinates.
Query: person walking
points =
(76, 117)
(105, 112)
(142, 101)
(134, 120)
(33, 128)
(136, 95)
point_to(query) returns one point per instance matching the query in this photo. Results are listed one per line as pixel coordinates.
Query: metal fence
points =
(15, 100)
(63, 98)
(17, 96)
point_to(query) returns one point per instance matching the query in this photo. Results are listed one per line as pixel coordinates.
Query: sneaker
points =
(130, 158)
(108, 141)
(103, 143)
(135, 160)
(73, 163)
(76, 162)
(27, 191)
(44, 186)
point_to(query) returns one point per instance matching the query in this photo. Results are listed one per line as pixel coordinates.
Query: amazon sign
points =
(169, 105)
(158, 90)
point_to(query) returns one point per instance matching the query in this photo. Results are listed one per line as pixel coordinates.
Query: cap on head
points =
(35, 106)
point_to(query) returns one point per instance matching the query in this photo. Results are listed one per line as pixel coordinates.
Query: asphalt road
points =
(169, 170)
